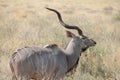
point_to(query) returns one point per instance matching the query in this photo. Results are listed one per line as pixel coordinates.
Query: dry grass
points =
(24, 23)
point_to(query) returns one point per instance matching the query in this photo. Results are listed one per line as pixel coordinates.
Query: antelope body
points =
(51, 61)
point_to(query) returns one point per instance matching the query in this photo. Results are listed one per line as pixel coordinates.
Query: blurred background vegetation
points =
(28, 23)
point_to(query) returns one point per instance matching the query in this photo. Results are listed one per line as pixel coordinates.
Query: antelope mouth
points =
(93, 44)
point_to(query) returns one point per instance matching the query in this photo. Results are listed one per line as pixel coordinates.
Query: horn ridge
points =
(63, 23)
(59, 17)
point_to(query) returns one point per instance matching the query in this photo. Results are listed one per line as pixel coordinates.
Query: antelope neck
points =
(72, 52)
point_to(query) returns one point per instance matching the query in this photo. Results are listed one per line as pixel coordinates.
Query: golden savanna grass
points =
(28, 23)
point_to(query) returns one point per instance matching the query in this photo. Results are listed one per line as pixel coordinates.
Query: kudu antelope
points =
(51, 61)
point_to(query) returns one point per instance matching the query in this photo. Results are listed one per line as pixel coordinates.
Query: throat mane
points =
(73, 67)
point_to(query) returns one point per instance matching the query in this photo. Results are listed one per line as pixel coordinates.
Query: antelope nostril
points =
(95, 43)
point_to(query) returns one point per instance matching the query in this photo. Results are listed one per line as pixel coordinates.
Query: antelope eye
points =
(83, 37)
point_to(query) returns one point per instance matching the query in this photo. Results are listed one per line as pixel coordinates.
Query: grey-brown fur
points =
(34, 61)
(48, 62)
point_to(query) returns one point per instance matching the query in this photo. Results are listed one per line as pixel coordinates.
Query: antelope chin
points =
(84, 49)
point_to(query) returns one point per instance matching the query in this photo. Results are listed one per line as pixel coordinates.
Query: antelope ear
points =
(70, 34)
